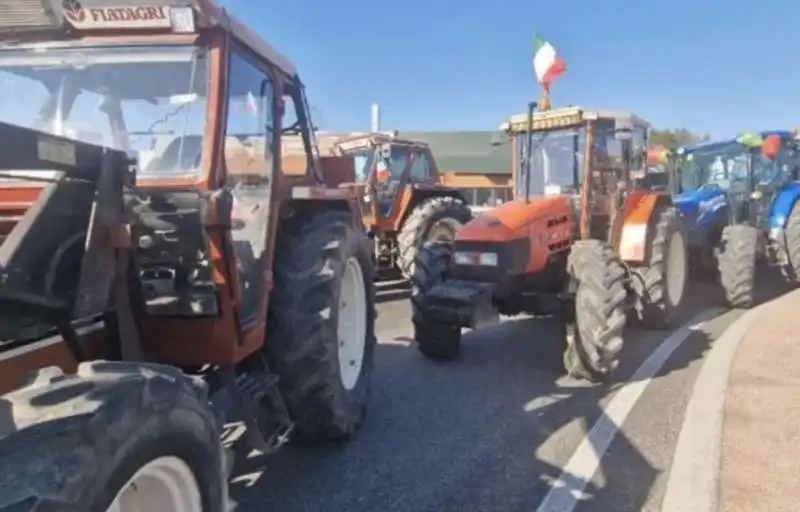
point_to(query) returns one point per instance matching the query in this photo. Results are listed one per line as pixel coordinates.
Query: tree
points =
(674, 139)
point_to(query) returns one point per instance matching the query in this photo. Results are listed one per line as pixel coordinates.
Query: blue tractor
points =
(739, 200)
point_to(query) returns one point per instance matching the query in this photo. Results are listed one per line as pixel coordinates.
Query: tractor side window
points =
(249, 148)
(420, 169)
(250, 133)
(608, 151)
(639, 147)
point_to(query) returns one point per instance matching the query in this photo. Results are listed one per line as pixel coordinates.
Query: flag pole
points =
(544, 102)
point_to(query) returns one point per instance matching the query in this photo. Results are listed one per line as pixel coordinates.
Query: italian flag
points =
(546, 63)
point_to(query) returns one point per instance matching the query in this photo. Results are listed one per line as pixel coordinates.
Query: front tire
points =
(139, 436)
(660, 286)
(321, 350)
(434, 219)
(737, 265)
(595, 325)
(435, 339)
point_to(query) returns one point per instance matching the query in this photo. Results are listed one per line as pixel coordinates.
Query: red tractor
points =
(404, 203)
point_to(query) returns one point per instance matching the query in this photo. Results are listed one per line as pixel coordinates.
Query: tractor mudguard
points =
(782, 206)
(639, 208)
(415, 194)
(465, 303)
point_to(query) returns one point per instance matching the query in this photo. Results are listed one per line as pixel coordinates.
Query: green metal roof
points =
(468, 152)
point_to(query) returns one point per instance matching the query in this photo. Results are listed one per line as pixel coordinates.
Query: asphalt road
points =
(494, 430)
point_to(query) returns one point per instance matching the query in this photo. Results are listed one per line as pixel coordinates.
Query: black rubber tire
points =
(435, 339)
(594, 338)
(71, 443)
(791, 269)
(653, 306)
(302, 341)
(737, 265)
(414, 232)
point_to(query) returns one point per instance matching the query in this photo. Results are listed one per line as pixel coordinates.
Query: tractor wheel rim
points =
(352, 326)
(166, 484)
(441, 232)
(676, 269)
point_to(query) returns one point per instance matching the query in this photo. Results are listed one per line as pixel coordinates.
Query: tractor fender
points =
(417, 193)
(783, 204)
(639, 209)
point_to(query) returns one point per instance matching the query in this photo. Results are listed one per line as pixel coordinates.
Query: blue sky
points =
(710, 65)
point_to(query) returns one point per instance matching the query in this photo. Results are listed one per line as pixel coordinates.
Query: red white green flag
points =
(546, 63)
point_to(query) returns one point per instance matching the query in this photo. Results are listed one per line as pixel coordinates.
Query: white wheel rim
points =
(352, 329)
(676, 269)
(165, 484)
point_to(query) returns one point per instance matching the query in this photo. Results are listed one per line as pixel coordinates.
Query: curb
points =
(694, 474)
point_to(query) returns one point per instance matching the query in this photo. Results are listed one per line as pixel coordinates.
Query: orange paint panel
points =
(513, 217)
(638, 210)
(519, 219)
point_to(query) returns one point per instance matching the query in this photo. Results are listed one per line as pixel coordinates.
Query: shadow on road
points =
(488, 432)
(483, 433)
(389, 291)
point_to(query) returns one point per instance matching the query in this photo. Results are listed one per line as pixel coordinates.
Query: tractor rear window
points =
(147, 100)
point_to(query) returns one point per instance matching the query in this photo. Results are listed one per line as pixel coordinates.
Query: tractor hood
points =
(511, 218)
(699, 206)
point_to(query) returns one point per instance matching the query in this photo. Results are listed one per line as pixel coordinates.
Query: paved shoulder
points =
(738, 444)
(760, 467)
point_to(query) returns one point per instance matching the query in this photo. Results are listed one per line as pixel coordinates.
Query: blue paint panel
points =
(700, 208)
(782, 205)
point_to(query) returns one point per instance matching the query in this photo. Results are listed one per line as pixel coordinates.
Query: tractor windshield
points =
(714, 166)
(390, 167)
(147, 100)
(556, 159)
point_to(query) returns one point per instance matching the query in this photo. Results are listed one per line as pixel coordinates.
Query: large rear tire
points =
(321, 325)
(791, 268)
(594, 331)
(435, 339)
(434, 219)
(135, 436)
(737, 265)
(660, 286)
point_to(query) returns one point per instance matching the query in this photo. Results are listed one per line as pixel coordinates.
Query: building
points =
(478, 162)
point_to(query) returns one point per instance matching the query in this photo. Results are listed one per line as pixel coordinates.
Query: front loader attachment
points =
(58, 261)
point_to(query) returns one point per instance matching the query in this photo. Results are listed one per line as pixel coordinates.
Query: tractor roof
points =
(570, 116)
(784, 134)
(57, 19)
(368, 140)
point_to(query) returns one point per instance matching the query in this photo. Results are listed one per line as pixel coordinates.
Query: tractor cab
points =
(199, 102)
(553, 151)
(387, 165)
(743, 175)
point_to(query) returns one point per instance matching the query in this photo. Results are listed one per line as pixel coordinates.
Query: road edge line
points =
(579, 470)
(694, 473)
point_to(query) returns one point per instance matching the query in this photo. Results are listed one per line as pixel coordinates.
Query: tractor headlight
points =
(488, 259)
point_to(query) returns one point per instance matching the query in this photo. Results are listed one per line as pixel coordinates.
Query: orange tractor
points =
(578, 240)
(156, 255)
(404, 203)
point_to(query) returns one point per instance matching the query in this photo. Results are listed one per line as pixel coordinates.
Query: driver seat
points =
(177, 158)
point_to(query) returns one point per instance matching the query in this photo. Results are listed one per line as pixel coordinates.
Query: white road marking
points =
(568, 489)
(693, 476)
